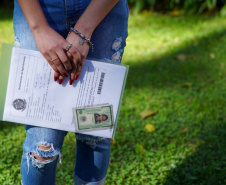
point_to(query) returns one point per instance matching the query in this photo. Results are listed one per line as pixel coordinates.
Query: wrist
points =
(84, 29)
(82, 38)
(36, 28)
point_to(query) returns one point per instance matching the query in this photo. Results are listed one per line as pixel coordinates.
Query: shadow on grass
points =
(207, 165)
(167, 71)
(6, 14)
(4, 124)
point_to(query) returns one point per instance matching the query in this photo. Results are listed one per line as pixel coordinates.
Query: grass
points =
(177, 67)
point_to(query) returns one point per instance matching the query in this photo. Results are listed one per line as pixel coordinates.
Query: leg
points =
(93, 154)
(109, 40)
(42, 148)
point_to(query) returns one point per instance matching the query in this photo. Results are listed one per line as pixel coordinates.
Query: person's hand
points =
(52, 46)
(78, 61)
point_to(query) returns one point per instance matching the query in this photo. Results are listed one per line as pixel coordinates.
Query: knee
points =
(44, 154)
(43, 148)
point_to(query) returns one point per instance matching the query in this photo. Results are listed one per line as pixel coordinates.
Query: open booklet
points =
(29, 94)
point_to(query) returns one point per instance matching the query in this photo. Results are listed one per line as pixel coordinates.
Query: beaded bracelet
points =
(82, 38)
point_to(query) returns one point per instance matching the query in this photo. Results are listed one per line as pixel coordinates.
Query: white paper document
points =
(34, 98)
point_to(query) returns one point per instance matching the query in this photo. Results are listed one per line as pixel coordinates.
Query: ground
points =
(177, 73)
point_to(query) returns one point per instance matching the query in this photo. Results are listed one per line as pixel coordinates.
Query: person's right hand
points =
(52, 46)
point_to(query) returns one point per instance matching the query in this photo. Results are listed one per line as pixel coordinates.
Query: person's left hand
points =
(77, 63)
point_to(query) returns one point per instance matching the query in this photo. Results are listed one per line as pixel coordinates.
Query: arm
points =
(52, 45)
(48, 41)
(93, 15)
(34, 15)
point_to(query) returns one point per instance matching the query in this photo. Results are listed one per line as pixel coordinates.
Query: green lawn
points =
(177, 68)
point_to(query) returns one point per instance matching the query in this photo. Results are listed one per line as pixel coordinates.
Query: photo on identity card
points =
(93, 118)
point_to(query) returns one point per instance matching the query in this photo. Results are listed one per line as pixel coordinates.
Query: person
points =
(99, 118)
(66, 32)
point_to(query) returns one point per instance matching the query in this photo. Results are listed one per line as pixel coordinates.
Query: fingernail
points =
(65, 74)
(71, 81)
(55, 78)
(76, 77)
(60, 81)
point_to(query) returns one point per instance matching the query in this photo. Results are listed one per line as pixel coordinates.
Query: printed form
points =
(34, 98)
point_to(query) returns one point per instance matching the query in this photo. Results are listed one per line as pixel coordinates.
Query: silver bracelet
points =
(82, 38)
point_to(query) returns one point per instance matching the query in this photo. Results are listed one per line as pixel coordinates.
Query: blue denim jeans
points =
(109, 39)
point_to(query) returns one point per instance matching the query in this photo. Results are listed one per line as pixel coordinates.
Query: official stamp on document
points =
(93, 118)
(19, 104)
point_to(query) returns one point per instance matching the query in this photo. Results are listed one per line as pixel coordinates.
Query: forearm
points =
(34, 14)
(93, 15)
(50, 43)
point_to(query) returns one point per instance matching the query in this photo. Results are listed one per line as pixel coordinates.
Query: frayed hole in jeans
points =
(44, 154)
(116, 57)
(117, 44)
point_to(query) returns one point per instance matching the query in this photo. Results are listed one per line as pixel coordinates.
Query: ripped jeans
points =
(91, 160)
(109, 39)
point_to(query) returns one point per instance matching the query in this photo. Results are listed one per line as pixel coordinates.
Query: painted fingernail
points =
(76, 77)
(60, 81)
(55, 78)
(71, 81)
(65, 74)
